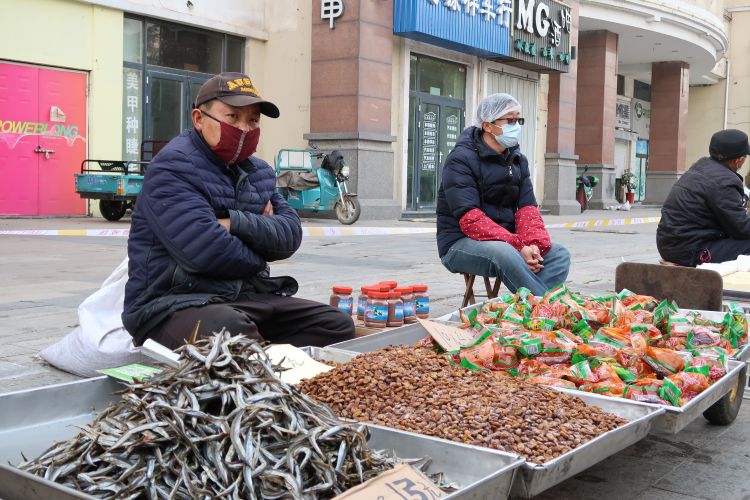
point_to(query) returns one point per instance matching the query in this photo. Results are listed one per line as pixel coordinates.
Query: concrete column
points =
(595, 118)
(560, 160)
(350, 99)
(670, 84)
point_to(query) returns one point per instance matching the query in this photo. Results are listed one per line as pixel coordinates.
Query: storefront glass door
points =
(170, 100)
(436, 119)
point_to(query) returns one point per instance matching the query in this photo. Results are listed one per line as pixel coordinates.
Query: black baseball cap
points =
(728, 145)
(234, 89)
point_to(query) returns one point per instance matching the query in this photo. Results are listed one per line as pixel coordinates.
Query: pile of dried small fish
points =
(221, 425)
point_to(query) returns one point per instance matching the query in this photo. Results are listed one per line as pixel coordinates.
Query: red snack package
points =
(613, 388)
(690, 381)
(716, 366)
(551, 381)
(628, 358)
(605, 372)
(596, 349)
(664, 361)
(530, 367)
(481, 354)
(506, 356)
(675, 343)
(646, 390)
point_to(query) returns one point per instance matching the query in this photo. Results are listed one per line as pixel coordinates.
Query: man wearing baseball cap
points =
(704, 218)
(207, 223)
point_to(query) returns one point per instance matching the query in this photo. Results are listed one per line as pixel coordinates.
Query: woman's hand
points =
(533, 258)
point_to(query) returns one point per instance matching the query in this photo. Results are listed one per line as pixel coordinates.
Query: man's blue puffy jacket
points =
(180, 256)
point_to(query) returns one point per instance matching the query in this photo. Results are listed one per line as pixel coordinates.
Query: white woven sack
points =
(100, 341)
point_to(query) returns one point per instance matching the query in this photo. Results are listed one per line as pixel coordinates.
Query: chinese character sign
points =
(331, 10)
(542, 33)
(132, 107)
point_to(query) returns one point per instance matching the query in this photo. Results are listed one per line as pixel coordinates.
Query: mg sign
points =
(541, 33)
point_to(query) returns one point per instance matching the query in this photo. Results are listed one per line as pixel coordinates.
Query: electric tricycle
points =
(319, 189)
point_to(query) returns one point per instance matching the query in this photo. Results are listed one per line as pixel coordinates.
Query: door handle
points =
(46, 152)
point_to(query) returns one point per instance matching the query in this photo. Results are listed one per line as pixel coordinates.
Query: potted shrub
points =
(628, 180)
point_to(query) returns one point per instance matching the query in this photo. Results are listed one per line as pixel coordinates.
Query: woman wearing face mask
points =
(488, 223)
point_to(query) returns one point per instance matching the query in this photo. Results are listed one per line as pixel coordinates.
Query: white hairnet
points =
(494, 106)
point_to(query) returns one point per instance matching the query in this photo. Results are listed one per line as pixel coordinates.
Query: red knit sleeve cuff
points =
(478, 226)
(531, 230)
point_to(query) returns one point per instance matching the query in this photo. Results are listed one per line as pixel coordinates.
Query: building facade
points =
(611, 86)
(111, 79)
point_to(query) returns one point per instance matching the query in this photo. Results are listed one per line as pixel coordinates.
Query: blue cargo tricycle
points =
(307, 187)
(116, 184)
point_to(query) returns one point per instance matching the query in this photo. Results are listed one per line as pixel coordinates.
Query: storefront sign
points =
(477, 27)
(641, 118)
(331, 10)
(541, 33)
(131, 114)
(622, 113)
(429, 140)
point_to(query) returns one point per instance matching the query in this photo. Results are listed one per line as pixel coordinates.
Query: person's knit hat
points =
(728, 145)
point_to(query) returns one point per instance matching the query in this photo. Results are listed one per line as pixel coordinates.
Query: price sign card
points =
(403, 482)
(450, 338)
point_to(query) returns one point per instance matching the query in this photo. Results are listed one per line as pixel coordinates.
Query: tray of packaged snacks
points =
(417, 390)
(626, 345)
(202, 430)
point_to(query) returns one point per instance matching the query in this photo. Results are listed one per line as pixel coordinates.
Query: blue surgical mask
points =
(510, 135)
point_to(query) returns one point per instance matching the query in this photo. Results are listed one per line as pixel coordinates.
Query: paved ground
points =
(46, 277)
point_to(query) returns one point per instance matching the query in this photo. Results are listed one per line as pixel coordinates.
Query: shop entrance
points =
(436, 119)
(169, 103)
(42, 139)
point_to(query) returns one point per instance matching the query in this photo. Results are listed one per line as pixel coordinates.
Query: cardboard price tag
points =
(403, 482)
(448, 337)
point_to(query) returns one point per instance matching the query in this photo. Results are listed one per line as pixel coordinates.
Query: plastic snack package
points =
(647, 390)
(665, 362)
(551, 381)
(614, 388)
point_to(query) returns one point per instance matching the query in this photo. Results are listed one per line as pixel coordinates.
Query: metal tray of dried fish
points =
(536, 478)
(31, 420)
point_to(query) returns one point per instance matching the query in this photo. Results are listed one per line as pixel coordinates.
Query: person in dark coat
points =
(704, 218)
(207, 223)
(488, 223)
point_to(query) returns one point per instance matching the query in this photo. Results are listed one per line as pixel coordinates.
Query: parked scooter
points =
(585, 188)
(318, 189)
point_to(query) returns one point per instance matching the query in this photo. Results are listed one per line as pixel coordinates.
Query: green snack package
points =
(662, 313)
(530, 347)
(703, 370)
(625, 374)
(582, 371)
(670, 392)
(625, 293)
(512, 316)
(678, 325)
(735, 326)
(583, 330)
(601, 336)
(555, 294)
(469, 365)
(541, 324)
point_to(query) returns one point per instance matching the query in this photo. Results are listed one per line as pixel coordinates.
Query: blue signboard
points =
(477, 27)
